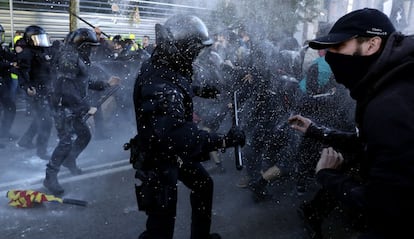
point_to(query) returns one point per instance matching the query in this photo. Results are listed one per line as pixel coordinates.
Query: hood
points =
(398, 51)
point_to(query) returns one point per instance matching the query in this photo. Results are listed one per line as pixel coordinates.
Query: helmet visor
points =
(86, 44)
(41, 40)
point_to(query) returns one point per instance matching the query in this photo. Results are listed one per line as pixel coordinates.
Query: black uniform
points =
(38, 75)
(8, 86)
(171, 145)
(70, 105)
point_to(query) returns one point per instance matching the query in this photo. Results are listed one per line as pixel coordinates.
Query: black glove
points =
(207, 91)
(235, 137)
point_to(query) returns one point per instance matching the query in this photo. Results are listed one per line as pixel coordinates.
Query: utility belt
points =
(135, 158)
(147, 156)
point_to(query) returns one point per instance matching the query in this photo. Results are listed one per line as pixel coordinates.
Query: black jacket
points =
(6, 60)
(385, 117)
(70, 88)
(164, 113)
(35, 65)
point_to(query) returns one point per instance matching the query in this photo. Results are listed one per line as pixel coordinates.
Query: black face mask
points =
(349, 70)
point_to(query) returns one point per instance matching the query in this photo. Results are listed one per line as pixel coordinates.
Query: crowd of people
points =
(182, 89)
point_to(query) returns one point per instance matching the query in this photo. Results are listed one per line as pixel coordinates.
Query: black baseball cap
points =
(366, 22)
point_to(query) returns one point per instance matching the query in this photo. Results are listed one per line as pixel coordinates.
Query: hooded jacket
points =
(385, 116)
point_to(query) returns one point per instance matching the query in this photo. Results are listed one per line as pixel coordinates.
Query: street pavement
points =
(108, 185)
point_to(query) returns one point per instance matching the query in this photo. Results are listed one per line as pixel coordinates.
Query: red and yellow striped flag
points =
(28, 198)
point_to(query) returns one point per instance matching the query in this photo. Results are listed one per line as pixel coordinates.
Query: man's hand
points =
(98, 31)
(329, 159)
(247, 79)
(299, 123)
(31, 91)
(234, 137)
(228, 62)
(114, 81)
(92, 110)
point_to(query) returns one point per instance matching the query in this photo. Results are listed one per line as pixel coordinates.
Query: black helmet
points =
(82, 37)
(36, 36)
(117, 39)
(188, 28)
(187, 33)
(1, 34)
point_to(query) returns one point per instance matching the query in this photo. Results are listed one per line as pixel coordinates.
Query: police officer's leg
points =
(100, 129)
(9, 113)
(26, 141)
(195, 177)
(82, 140)
(44, 124)
(162, 212)
(64, 133)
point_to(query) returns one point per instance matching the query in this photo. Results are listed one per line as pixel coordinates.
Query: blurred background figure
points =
(35, 63)
(8, 87)
(147, 45)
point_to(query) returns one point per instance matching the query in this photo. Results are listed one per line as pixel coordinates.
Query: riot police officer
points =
(8, 88)
(170, 145)
(70, 103)
(35, 63)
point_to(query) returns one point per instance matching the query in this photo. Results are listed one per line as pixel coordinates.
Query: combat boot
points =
(52, 184)
(259, 188)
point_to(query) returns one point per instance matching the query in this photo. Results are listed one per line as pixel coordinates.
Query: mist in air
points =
(265, 72)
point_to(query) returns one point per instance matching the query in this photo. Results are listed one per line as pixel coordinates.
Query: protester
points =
(314, 211)
(171, 147)
(374, 61)
(147, 45)
(321, 98)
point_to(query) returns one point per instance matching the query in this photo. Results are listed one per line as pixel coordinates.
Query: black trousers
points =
(8, 105)
(41, 125)
(160, 222)
(68, 148)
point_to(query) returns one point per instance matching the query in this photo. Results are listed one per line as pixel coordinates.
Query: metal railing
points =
(113, 18)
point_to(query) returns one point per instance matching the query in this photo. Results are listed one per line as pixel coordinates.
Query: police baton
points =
(237, 149)
(102, 99)
(83, 20)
